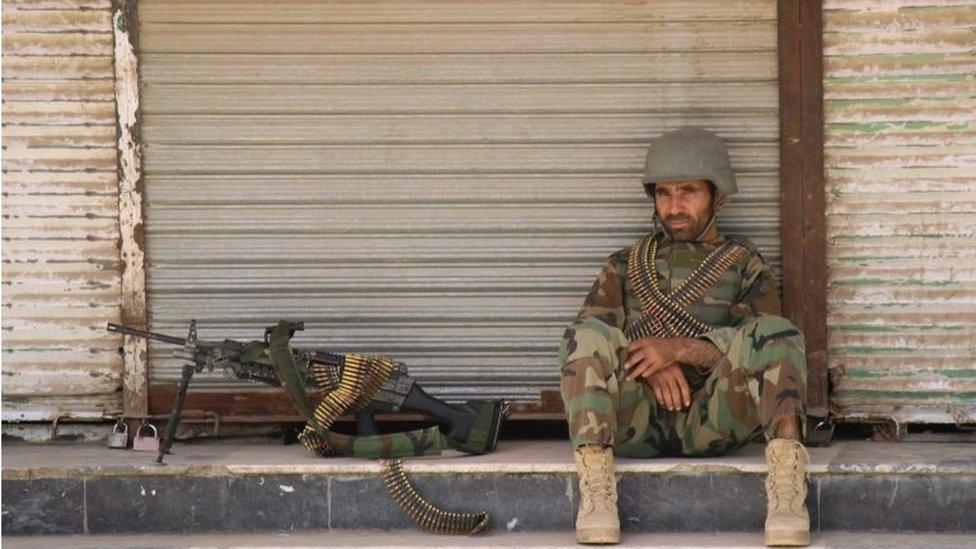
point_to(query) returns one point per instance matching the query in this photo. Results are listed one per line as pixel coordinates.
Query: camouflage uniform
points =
(760, 379)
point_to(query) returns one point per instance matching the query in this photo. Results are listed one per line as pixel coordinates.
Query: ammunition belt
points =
(427, 515)
(326, 369)
(360, 379)
(350, 383)
(668, 315)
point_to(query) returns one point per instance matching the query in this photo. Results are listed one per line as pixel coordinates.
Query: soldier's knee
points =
(766, 329)
(771, 323)
(591, 338)
(771, 339)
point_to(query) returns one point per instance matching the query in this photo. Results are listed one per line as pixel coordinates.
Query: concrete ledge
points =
(423, 540)
(526, 486)
(22, 461)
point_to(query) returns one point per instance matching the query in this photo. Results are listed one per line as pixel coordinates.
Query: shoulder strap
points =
(287, 370)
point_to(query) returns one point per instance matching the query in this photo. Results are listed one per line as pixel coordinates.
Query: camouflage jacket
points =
(742, 292)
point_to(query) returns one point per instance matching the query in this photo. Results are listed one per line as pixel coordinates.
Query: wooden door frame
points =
(802, 183)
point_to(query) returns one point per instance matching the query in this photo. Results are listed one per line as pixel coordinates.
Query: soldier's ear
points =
(649, 190)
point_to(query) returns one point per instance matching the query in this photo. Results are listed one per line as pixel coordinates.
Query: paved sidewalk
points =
(216, 458)
(359, 539)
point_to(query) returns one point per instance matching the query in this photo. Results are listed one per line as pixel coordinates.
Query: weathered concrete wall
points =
(900, 106)
(61, 270)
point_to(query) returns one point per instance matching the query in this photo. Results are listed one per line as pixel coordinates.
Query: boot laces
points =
(786, 479)
(599, 481)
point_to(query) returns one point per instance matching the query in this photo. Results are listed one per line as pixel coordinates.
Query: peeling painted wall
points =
(900, 108)
(61, 276)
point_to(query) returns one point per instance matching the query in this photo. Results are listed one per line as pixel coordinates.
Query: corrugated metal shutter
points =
(437, 182)
(60, 212)
(901, 176)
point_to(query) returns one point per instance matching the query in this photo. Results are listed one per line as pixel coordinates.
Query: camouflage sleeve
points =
(605, 302)
(758, 294)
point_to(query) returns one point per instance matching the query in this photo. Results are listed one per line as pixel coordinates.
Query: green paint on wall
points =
(914, 395)
(914, 56)
(894, 328)
(876, 127)
(954, 374)
(845, 103)
(922, 124)
(873, 127)
(959, 373)
(890, 282)
(951, 77)
(861, 349)
(916, 9)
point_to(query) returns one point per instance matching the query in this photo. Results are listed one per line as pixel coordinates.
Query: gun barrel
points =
(123, 329)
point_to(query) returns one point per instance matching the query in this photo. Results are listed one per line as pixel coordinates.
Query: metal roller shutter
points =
(437, 182)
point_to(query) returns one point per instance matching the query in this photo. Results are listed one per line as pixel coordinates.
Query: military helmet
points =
(689, 153)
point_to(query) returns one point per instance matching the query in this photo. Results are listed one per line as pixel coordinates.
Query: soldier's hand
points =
(671, 388)
(646, 356)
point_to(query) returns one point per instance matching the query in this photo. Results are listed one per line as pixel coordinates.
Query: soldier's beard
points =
(684, 228)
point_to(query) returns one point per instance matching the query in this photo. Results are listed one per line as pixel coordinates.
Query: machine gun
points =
(472, 427)
(356, 384)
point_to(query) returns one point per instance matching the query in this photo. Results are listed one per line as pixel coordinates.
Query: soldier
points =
(677, 349)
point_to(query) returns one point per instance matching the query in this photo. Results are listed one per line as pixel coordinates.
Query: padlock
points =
(146, 443)
(119, 439)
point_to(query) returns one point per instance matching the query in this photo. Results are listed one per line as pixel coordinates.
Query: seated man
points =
(677, 349)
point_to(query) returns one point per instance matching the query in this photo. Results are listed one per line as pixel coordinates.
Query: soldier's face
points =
(684, 206)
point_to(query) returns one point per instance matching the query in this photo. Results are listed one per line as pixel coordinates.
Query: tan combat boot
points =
(787, 520)
(597, 520)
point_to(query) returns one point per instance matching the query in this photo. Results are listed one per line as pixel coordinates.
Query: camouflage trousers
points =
(761, 379)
